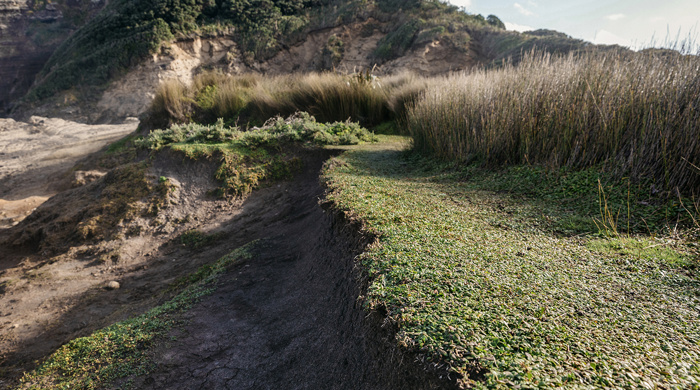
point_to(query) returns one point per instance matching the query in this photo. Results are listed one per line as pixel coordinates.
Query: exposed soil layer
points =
(46, 300)
(287, 318)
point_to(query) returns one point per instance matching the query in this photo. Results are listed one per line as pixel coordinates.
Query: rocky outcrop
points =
(30, 31)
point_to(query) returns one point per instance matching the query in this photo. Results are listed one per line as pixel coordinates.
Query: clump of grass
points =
(195, 239)
(478, 283)
(635, 114)
(171, 103)
(122, 350)
(250, 157)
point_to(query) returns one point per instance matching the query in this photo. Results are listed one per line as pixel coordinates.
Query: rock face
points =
(30, 31)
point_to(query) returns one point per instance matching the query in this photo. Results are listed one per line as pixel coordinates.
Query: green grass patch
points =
(481, 282)
(195, 239)
(579, 201)
(122, 350)
(667, 253)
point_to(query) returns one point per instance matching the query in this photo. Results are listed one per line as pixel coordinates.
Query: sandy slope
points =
(35, 154)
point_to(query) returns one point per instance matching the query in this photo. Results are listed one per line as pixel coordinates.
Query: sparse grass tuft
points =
(195, 239)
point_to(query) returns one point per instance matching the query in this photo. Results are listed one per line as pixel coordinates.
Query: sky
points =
(634, 24)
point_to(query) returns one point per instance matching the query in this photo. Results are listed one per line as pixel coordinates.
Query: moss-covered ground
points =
(515, 289)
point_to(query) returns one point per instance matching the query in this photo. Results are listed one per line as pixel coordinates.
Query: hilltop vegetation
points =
(125, 32)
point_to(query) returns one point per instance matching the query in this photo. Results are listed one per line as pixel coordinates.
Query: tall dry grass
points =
(170, 105)
(638, 114)
(253, 98)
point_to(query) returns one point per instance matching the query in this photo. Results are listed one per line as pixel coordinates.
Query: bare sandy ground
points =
(35, 154)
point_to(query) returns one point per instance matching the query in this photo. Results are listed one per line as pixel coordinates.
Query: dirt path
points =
(288, 318)
(284, 319)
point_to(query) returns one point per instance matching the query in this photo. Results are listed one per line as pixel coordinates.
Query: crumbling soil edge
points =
(404, 367)
(390, 364)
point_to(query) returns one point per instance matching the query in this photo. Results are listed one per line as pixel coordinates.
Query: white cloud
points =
(523, 10)
(657, 19)
(605, 37)
(462, 3)
(517, 27)
(615, 17)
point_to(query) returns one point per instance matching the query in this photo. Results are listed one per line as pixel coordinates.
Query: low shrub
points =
(248, 158)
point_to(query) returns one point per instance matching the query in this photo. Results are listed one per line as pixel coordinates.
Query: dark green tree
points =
(494, 21)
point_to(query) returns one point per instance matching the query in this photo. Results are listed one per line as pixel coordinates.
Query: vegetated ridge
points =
(122, 53)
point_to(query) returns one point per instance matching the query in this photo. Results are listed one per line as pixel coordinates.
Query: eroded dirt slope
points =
(48, 299)
(35, 154)
(288, 318)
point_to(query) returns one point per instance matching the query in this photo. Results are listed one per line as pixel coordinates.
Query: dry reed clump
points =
(639, 115)
(253, 99)
(172, 104)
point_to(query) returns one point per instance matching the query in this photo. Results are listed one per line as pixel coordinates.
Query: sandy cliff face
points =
(30, 31)
(131, 95)
(431, 58)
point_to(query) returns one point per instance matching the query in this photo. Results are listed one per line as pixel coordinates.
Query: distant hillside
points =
(274, 36)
